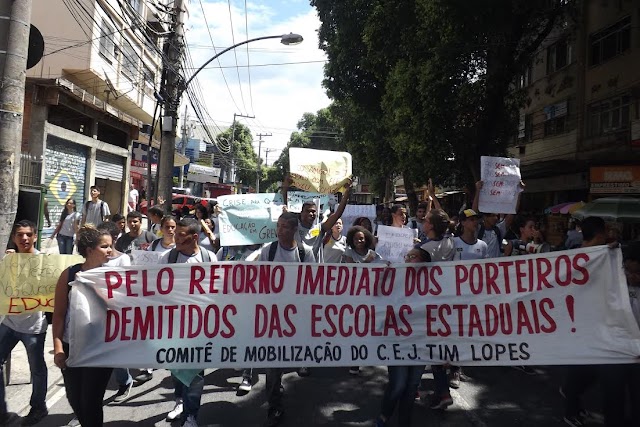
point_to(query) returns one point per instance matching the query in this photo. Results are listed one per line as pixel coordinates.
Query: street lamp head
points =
(291, 39)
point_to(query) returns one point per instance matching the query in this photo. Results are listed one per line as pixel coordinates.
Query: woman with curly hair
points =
(85, 387)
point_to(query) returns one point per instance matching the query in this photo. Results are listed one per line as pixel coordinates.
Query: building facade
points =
(90, 95)
(579, 132)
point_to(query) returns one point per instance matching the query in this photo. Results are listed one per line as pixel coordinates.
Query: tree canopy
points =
(246, 159)
(425, 87)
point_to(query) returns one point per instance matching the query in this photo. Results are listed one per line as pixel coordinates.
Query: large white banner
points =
(562, 308)
(323, 171)
(500, 189)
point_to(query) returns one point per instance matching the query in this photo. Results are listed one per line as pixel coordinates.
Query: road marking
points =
(468, 410)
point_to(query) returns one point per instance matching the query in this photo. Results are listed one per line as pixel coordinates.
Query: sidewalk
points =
(18, 391)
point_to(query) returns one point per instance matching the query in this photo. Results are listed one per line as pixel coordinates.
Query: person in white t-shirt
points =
(133, 198)
(334, 244)
(467, 245)
(188, 251)
(67, 227)
(285, 249)
(168, 231)
(31, 330)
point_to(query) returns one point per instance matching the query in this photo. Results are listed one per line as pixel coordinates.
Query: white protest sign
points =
(322, 171)
(353, 212)
(500, 189)
(248, 219)
(394, 242)
(560, 308)
(145, 257)
(295, 200)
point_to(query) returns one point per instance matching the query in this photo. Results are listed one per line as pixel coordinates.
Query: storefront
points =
(614, 180)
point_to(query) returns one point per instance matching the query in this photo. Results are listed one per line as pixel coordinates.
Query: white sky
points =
(279, 95)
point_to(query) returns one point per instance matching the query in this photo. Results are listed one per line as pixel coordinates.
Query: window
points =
(610, 42)
(107, 46)
(559, 55)
(524, 79)
(556, 119)
(609, 116)
(129, 61)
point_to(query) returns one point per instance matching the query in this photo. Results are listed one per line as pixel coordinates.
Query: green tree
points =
(246, 159)
(425, 87)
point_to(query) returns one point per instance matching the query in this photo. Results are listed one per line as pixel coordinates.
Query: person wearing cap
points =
(467, 245)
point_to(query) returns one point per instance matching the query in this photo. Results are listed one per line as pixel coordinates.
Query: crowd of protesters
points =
(190, 237)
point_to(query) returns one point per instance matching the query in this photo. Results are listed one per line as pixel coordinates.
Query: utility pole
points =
(173, 91)
(259, 170)
(266, 155)
(231, 176)
(15, 22)
(183, 148)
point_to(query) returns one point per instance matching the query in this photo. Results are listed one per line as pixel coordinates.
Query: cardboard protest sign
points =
(352, 212)
(247, 219)
(145, 257)
(501, 179)
(28, 281)
(559, 308)
(394, 242)
(321, 171)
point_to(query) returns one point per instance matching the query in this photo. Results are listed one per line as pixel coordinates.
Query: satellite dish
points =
(36, 47)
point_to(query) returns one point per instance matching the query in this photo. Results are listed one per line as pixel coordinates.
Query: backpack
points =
(86, 209)
(495, 230)
(155, 243)
(173, 255)
(414, 224)
(72, 274)
(273, 247)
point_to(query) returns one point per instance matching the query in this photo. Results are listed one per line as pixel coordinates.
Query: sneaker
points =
(454, 381)
(441, 402)
(73, 423)
(526, 369)
(143, 377)
(190, 422)
(7, 418)
(177, 411)
(123, 393)
(245, 385)
(34, 416)
(354, 370)
(274, 417)
(304, 372)
(574, 421)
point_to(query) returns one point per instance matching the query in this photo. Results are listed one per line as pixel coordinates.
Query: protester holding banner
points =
(285, 249)
(67, 227)
(441, 248)
(31, 330)
(403, 380)
(168, 231)
(581, 377)
(334, 244)
(85, 387)
(468, 246)
(187, 250)
(621, 383)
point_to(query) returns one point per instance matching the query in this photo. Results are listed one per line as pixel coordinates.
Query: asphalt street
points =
(331, 397)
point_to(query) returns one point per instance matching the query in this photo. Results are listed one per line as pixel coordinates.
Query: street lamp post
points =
(165, 185)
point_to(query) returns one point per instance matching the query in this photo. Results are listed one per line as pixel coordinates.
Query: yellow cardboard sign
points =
(321, 171)
(28, 281)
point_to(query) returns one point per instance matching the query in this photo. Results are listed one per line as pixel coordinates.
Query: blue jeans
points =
(122, 376)
(34, 343)
(401, 391)
(190, 395)
(65, 244)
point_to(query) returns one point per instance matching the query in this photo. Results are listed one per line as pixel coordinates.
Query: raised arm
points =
(476, 197)
(330, 222)
(432, 193)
